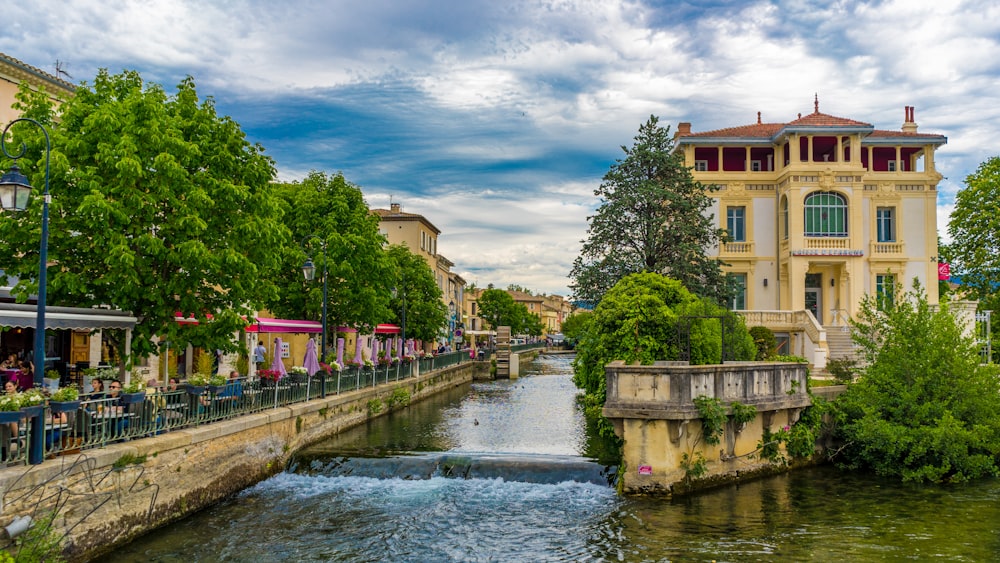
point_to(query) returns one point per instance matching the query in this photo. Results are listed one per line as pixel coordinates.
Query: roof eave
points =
(936, 140)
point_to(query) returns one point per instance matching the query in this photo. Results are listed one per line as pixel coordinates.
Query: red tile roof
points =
(816, 119)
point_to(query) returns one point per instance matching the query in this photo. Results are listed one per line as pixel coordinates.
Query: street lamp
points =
(309, 271)
(14, 192)
(451, 324)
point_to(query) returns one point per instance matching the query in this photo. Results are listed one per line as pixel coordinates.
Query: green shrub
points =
(843, 370)
(765, 341)
(923, 409)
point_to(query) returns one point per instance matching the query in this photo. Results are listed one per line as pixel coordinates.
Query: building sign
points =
(827, 252)
(645, 470)
(286, 350)
(944, 271)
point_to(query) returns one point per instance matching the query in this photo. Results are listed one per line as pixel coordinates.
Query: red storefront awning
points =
(263, 324)
(387, 329)
(285, 325)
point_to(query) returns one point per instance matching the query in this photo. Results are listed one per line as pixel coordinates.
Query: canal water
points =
(507, 471)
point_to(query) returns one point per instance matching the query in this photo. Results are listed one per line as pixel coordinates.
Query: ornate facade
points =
(820, 211)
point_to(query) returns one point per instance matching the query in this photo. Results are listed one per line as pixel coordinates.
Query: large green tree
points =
(498, 308)
(648, 317)
(331, 224)
(975, 229)
(924, 409)
(426, 313)
(652, 217)
(159, 205)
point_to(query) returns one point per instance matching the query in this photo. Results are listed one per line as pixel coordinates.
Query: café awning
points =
(17, 315)
(285, 325)
(387, 329)
(264, 324)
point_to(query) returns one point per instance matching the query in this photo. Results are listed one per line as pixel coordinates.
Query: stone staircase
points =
(838, 342)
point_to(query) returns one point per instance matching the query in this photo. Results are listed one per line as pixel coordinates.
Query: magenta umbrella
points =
(357, 351)
(340, 351)
(310, 362)
(277, 364)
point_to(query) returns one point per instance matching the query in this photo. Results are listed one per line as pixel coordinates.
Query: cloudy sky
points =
(497, 119)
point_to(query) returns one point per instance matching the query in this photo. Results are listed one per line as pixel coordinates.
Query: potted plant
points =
(134, 392)
(216, 383)
(65, 399)
(10, 408)
(196, 383)
(269, 377)
(298, 374)
(32, 402)
(107, 375)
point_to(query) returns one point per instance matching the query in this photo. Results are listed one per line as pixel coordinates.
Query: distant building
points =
(14, 72)
(418, 234)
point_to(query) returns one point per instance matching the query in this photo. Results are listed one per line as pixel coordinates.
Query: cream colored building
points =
(421, 237)
(13, 72)
(819, 212)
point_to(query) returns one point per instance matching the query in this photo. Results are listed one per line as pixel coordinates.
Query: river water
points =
(505, 471)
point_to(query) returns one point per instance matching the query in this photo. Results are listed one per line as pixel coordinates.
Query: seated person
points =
(234, 388)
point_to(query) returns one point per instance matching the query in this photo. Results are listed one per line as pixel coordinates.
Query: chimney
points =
(909, 125)
(683, 128)
(396, 208)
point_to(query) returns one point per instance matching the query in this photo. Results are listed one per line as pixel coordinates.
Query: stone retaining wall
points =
(652, 410)
(109, 496)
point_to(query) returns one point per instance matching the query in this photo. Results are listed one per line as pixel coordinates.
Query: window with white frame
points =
(739, 284)
(701, 166)
(736, 223)
(885, 290)
(885, 224)
(755, 165)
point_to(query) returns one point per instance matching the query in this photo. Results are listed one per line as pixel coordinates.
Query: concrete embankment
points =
(106, 497)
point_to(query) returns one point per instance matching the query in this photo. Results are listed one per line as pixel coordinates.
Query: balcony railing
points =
(886, 248)
(742, 248)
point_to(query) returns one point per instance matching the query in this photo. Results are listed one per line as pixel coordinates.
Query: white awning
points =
(67, 318)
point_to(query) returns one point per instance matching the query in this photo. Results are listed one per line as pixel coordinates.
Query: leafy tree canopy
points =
(923, 408)
(637, 321)
(414, 281)
(498, 308)
(159, 206)
(331, 224)
(652, 218)
(575, 325)
(975, 229)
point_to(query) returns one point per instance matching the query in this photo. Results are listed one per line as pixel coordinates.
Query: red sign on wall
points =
(645, 470)
(944, 271)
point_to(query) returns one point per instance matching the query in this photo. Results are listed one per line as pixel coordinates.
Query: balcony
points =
(737, 249)
(887, 250)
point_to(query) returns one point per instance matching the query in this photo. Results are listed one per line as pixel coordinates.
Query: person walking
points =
(258, 355)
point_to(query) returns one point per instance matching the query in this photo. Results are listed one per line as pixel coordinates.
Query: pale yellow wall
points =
(912, 194)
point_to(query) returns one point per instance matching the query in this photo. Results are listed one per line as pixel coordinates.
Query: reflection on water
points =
(812, 515)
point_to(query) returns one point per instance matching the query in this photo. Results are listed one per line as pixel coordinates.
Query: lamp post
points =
(451, 324)
(14, 192)
(309, 271)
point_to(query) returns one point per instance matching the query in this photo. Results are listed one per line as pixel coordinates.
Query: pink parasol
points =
(310, 362)
(277, 364)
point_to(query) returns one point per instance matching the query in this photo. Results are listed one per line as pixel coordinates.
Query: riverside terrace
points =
(94, 423)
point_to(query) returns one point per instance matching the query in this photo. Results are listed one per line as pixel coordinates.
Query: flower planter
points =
(216, 389)
(33, 410)
(194, 389)
(11, 416)
(132, 398)
(63, 406)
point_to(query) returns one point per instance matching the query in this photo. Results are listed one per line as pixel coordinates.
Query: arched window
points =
(826, 215)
